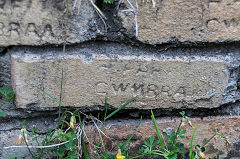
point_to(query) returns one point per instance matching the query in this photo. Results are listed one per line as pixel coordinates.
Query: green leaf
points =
(159, 135)
(218, 156)
(106, 108)
(180, 145)
(85, 152)
(156, 143)
(12, 157)
(7, 93)
(183, 131)
(182, 113)
(3, 90)
(118, 145)
(182, 151)
(109, 1)
(49, 95)
(117, 110)
(147, 143)
(2, 114)
(24, 124)
(124, 145)
(151, 139)
(10, 95)
(203, 149)
(191, 143)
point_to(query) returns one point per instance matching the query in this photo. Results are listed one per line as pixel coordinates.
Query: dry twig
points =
(135, 12)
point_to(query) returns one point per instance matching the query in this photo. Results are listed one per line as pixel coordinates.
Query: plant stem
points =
(105, 114)
(62, 71)
(161, 140)
(178, 129)
(25, 140)
(85, 152)
(191, 143)
(209, 140)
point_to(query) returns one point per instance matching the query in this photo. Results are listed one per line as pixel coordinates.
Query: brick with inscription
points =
(183, 20)
(38, 22)
(158, 81)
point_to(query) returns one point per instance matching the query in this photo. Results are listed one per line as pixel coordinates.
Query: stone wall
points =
(172, 56)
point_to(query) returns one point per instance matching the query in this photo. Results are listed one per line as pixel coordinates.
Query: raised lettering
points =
(48, 31)
(136, 88)
(232, 22)
(152, 91)
(179, 95)
(213, 24)
(14, 28)
(165, 91)
(121, 87)
(31, 29)
(213, 2)
(102, 88)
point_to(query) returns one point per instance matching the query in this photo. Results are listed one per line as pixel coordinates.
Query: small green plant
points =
(148, 146)
(8, 95)
(168, 146)
(109, 1)
(68, 140)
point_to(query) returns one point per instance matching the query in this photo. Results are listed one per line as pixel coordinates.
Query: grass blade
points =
(118, 109)
(157, 131)
(49, 95)
(124, 145)
(106, 108)
(191, 143)
(85, 152)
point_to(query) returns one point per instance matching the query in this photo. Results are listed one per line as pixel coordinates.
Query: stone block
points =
(121, 130)
(39, 22)
(183, 20)
(158, 81)
(10, 138)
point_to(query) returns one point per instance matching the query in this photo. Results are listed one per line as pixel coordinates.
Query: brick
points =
(39, 22)
(10, 138)
(156, 81)
(184, 20)
(120, 130)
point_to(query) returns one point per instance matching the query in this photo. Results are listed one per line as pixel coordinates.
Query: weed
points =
(8, 95)
(109, 1)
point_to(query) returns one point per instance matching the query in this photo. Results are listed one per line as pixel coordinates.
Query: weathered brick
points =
(121, 130)
(184, 20)
(156, 81)
(39, 22)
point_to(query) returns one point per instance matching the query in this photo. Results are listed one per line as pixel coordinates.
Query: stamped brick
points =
(157, 81)
(39, 22)
(183, 20)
